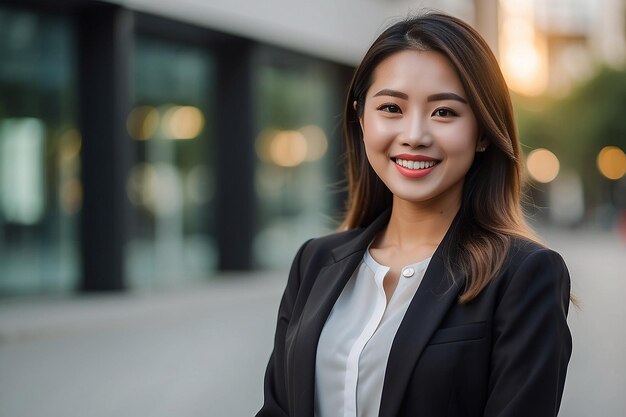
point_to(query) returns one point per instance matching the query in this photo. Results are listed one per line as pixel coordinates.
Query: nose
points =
(416, 132)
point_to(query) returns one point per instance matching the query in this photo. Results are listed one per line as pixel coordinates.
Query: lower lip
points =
(413, 173)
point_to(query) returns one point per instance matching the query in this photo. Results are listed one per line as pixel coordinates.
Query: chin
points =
(412, 196)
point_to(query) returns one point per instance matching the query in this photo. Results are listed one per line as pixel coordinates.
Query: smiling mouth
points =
(417, 165)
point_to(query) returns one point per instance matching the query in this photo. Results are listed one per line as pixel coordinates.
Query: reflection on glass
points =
(22, 180)
(143, 122)
(168, 122)
(317, 143)
(170, 185)
(289, 148)
(182, 122)
(40, 190)
(297, 107)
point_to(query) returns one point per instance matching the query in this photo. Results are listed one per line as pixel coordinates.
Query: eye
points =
(444, 112)
(389, 108)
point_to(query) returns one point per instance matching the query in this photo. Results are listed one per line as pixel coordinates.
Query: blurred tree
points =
(578, 126)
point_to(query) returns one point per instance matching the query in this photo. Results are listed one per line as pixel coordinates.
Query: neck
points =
(413, 225)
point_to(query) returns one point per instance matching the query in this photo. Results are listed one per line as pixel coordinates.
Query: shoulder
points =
(319, 249)
(532, 267)
(334, 240)
(523, 252)
(314, 255)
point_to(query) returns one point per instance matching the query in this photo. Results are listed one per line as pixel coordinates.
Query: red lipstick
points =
(414, 172)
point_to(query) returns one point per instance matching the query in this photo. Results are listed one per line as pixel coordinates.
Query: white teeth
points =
(415, 164)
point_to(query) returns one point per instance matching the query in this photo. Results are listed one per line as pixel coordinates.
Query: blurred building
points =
(550, 47)
(152, 143)
(547, 50)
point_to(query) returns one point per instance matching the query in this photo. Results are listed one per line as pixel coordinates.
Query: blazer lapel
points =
(435, 295)
(324, 293)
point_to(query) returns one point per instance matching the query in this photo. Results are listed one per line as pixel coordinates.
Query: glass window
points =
(299, 106)
(40, 189)
(171, 183)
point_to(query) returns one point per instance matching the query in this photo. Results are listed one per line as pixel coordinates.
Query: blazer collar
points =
(435, 295)
(360, 242)
(325, 291)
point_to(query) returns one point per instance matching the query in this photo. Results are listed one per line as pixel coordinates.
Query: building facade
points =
(149, 144)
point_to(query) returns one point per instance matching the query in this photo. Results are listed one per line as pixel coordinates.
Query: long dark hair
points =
(490, 212)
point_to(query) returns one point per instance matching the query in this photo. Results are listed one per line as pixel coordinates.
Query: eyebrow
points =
(392, 93)
(446, 96)
(432, 97)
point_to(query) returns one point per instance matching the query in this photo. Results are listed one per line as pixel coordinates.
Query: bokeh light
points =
(543, 166)
(182, 122)
(612, 162)
(288, 148)
(155, 187)
(523, 51)
(317, 144)
(262, 144)
(142, 122)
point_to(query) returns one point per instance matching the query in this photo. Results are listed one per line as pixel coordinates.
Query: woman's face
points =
(419, 131)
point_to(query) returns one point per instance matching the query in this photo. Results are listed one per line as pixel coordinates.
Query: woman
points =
(436, 299)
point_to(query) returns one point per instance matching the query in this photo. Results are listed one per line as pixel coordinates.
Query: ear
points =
(482, 145)
(355, 105)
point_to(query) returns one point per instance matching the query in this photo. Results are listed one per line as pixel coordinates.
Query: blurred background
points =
(161, 162)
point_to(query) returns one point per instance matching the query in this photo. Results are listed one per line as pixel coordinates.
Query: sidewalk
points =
(199, 351)
(36, 317)
(202, 351)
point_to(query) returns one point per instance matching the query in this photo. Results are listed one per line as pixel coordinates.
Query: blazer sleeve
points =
(274, 389)
(532, 342)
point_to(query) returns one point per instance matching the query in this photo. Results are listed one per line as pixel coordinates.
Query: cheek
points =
(376, 135)
(462, 139)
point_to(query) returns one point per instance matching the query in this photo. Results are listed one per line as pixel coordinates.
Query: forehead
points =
(414, 71)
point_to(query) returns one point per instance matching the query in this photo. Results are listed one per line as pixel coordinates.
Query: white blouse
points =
(355, 342)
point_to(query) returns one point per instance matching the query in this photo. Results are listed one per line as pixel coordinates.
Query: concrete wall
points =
(340, 30)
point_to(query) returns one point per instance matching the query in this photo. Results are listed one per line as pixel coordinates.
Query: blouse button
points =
(408, 272)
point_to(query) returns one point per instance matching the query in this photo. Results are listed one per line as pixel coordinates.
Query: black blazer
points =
(504, 354)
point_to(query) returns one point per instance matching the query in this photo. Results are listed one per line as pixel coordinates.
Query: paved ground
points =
(202, 351)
